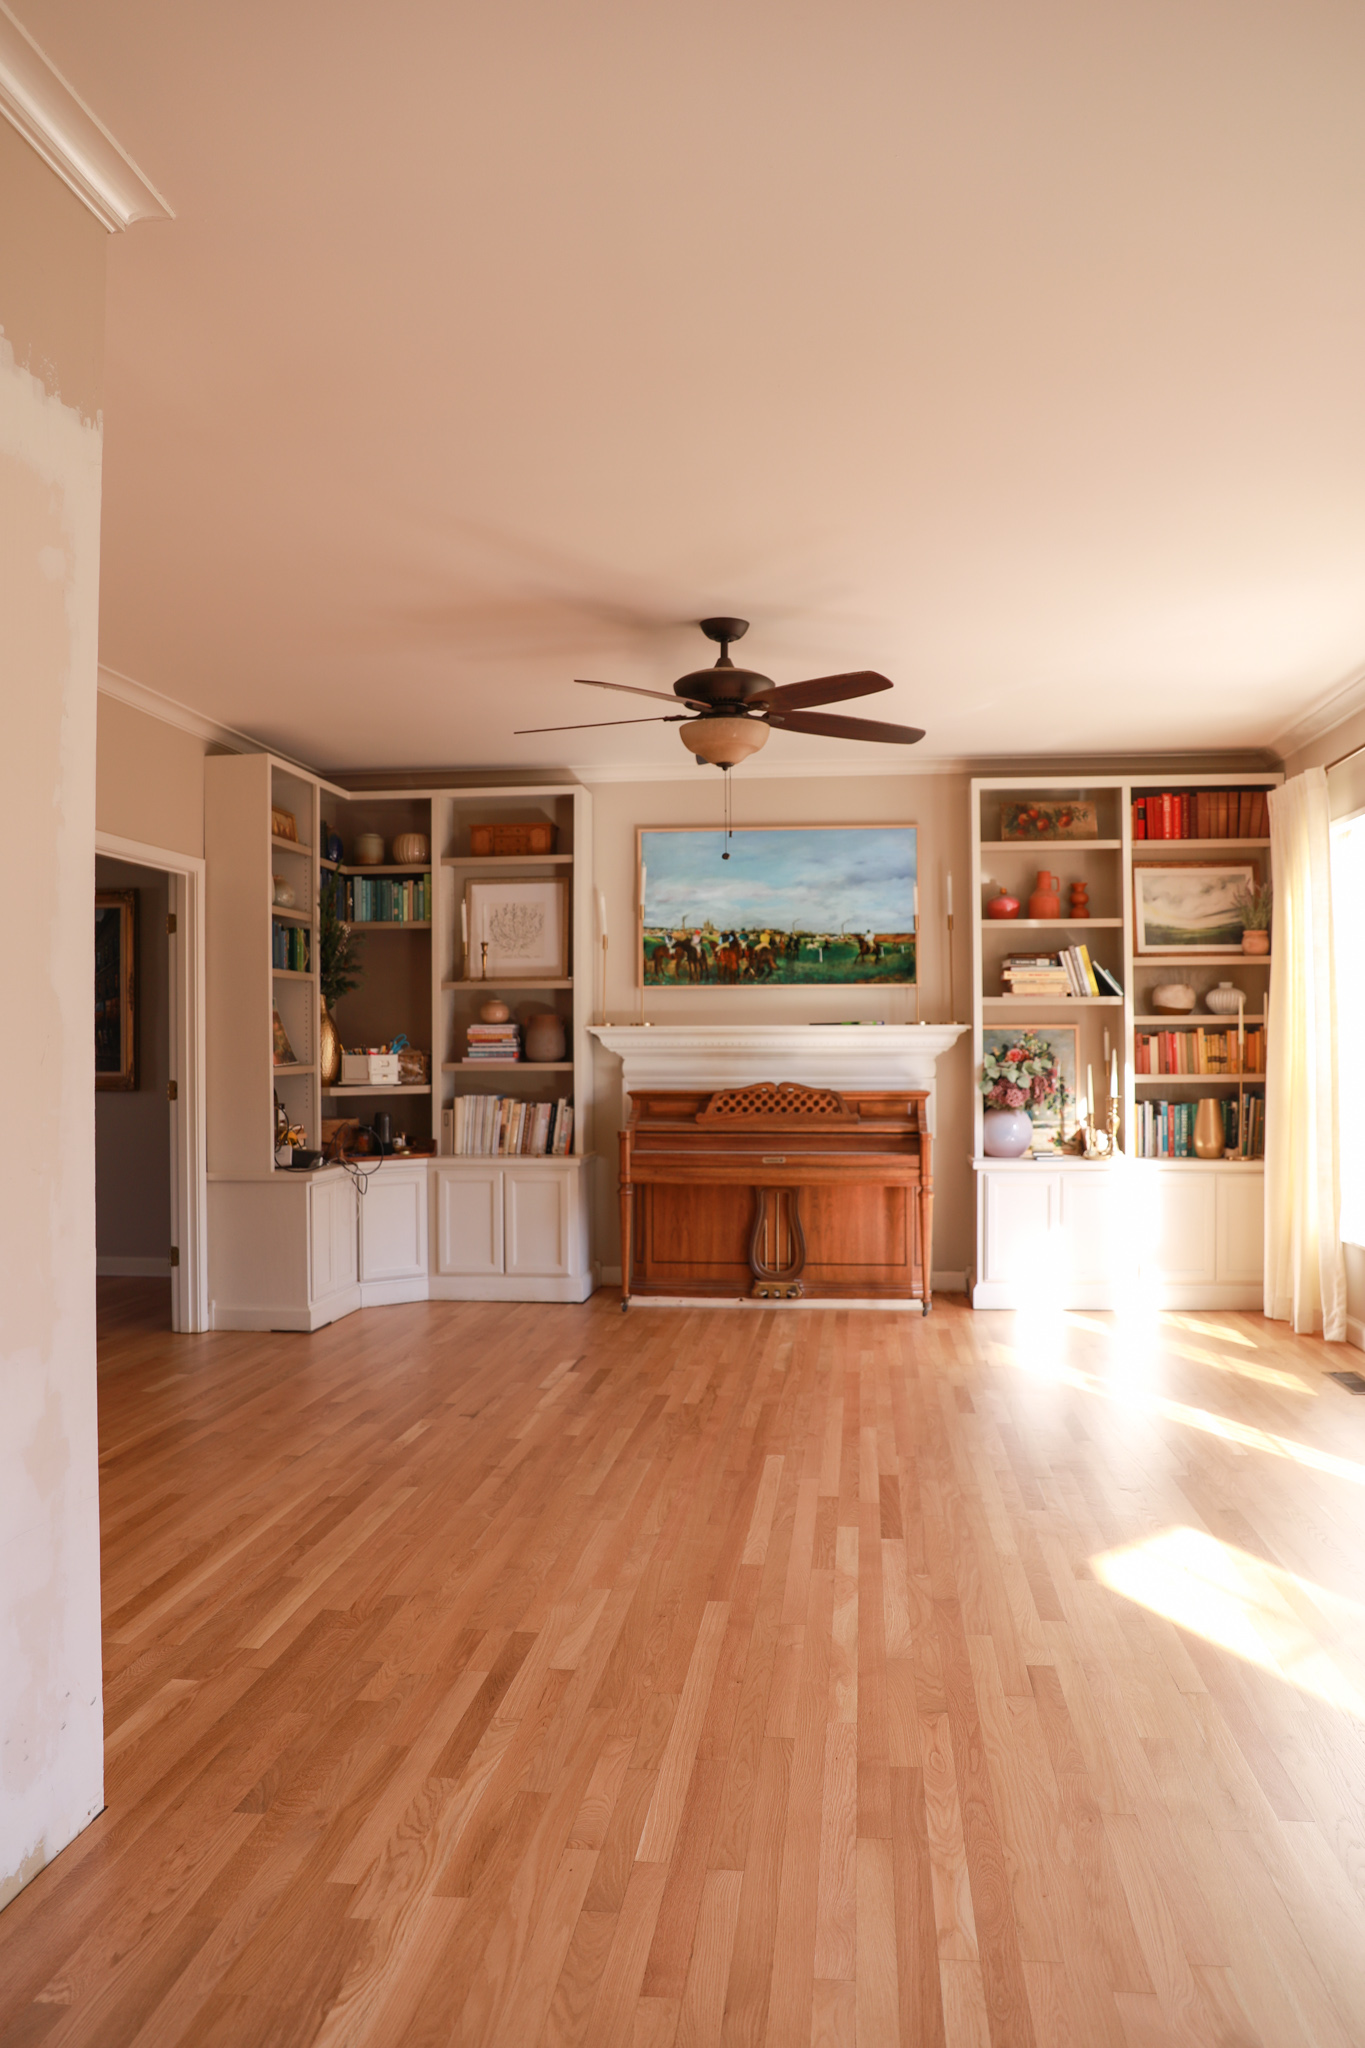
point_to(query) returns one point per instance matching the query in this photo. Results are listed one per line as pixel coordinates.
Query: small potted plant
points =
(1253, 902)
(1015, 1081)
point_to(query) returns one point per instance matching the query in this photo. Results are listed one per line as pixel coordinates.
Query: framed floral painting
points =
(1052, 1111)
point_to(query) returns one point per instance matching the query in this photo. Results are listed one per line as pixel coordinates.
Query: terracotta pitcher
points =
(1046, 899)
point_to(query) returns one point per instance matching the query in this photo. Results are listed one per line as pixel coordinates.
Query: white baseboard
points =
(895, 1307)
(1355, 1332)
(114, 1266)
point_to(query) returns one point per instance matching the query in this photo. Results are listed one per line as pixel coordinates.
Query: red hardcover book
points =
(1167, 831)
(1184, 814)
(1139, 817)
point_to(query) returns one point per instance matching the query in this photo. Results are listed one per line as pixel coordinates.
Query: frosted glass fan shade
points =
(723, 742)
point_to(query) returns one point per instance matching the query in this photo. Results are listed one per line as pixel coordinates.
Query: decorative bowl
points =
(409, 848)
(1225, 1000)
(1176, 997)
(495, 1011)
(284, 894)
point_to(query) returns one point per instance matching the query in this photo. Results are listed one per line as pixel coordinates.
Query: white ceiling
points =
(1013, 350)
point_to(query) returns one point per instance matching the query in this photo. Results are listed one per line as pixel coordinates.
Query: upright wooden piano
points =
(775, 1191)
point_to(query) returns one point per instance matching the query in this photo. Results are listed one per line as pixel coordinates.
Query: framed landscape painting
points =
(793, 906)
(1192, 908)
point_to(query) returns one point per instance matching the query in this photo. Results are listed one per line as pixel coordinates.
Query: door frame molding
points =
(189, 1184)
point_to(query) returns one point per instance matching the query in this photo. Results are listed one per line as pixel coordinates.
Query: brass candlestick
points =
(483, 949)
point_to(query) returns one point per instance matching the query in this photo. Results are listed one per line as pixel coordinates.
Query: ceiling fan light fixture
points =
(723, 742)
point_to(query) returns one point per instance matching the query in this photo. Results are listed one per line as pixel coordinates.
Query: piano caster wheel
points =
(625, 1303)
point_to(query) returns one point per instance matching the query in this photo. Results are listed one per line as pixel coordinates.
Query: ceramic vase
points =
(1080, 900)
(1225, 1000)
(329, 1049)
(1208, 1128)
(369, 851)
(495, 1011)
(1003, 905)
(1006, 1133)
(1255, 942)
(409, 849)
(1046, 902)
(544, 1037)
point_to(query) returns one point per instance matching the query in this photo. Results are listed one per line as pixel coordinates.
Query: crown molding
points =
(152, 704)
(1330, 711)
(71, 140)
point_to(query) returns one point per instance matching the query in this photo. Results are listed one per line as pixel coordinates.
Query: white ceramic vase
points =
(1006, 1133)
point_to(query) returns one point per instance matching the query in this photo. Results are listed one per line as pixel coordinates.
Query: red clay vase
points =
(1003, 905)
(1046, 902)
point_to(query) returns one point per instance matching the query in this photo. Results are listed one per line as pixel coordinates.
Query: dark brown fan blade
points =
(594, 723)
(821, 690)
(663, 696)
(845, 728)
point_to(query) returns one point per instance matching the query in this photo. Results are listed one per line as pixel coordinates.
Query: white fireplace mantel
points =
(820, 1055)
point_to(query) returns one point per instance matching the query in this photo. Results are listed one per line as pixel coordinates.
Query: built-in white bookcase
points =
(1185, 1231)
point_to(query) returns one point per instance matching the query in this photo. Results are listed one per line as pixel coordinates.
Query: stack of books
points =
(1071, 972)
(1035, 974)
(508, 1126)
(362, 899)
(492, 1042)
(1201, 814)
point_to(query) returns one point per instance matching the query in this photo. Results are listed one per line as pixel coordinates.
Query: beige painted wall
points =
(133, 1126)
(149, 780)
(937, 804)
(52, 288)
(51, 1706)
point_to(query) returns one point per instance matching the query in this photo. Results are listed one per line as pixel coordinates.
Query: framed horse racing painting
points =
(792, 906)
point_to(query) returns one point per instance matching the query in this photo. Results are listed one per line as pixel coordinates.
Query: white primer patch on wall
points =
(51, 1700)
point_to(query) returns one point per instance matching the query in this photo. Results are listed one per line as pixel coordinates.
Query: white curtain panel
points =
(1305, 1271)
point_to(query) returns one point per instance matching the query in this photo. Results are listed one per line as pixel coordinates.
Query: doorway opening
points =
(149, 1112)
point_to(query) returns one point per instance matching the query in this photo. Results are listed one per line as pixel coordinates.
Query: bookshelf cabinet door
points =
(331, 1238)
(1095, 1251)
(1241, 1225)
(469, 1221)
(537, 1221)
(1181, 1246)
(1021, 1213)
(393, 1225)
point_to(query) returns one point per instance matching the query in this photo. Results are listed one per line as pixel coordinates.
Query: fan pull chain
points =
(729, 825)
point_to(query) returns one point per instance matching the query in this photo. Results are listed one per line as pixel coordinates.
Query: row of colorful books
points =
(500, 1042)
(384, 899)
(1202, 814)
(290, 947)
(1199, 1051)
(1165, 1130)
(1070, 972)
(508, 1126)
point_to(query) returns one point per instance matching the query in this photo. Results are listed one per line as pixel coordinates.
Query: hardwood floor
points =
(544, 1676)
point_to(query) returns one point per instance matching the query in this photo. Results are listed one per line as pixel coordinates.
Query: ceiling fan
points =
(732, 710)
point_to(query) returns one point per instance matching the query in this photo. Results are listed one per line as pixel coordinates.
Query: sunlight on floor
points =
(1260, 1613)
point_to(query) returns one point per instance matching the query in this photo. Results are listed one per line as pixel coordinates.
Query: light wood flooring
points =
(543, 1676)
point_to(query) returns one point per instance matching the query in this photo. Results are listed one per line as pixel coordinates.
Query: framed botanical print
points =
(774, 906)
(1185, 907)
(116, 988)
(516, 931)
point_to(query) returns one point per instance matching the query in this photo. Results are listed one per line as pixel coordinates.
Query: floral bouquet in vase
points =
(1018, 1080)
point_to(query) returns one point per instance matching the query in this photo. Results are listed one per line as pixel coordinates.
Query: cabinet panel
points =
(1241, 1226)
(1181, 1243)
(469, 1221)
(331, 1238)
(1097, 1244)
(1021, 1208)
(537, 1223)
(393, 1225)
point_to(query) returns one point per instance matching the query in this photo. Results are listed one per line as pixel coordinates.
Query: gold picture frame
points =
(116, 989)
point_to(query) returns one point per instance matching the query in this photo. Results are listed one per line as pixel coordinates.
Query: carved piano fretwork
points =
(775, 1190)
